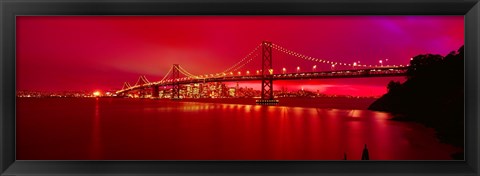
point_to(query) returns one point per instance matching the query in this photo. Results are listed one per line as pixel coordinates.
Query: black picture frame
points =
(9, 9)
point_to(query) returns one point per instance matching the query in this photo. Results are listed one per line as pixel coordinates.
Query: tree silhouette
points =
(393, 85)
(433, 95)
(423, 64)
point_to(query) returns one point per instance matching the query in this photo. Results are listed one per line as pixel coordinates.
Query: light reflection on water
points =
(95, 152)
(164, 129)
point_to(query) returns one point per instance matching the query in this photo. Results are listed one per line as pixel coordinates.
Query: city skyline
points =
(78, 53)
(208, 90)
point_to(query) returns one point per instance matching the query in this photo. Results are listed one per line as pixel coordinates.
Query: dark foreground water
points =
(143, 129)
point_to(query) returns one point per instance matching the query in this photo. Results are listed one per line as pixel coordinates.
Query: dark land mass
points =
(432, 95)
(361, 103)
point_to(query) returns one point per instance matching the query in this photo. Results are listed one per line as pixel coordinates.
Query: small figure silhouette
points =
(365, 153)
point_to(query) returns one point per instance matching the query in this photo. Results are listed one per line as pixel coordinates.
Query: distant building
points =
(231, 92)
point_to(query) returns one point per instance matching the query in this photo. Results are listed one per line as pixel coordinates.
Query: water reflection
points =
(95, 151)
(164, 129)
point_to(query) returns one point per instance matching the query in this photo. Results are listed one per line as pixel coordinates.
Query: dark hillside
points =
(432, 95)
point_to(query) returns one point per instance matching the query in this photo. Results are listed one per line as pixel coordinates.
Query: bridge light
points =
(298, 69)
(258, 72)
(248, 72)
(239, 73)
(96, 93)
(231, 73)
(271, 71)
(411, 58)
(314, 67)
(381, 62)
(284, 70)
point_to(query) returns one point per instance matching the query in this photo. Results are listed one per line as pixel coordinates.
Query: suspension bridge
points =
(258, 66)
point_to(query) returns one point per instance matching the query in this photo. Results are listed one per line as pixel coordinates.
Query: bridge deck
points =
(358, 73)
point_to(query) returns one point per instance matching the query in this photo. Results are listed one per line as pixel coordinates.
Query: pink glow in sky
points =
(102, 52)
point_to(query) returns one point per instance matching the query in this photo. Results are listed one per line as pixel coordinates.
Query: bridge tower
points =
(267, 97)
(175, 84)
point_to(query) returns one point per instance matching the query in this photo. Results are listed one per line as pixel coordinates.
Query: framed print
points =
(255, 87)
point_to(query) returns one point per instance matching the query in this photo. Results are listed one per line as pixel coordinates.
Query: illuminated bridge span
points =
(258, 66)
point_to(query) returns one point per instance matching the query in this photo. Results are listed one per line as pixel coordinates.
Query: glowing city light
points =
(96, 93)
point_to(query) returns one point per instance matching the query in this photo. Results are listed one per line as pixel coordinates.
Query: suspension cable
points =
(243, 59)
(166, 75)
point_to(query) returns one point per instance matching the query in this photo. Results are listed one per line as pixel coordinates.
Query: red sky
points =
(101, 52)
